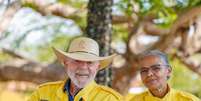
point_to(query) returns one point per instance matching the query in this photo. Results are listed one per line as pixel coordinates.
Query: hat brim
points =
(82, 56)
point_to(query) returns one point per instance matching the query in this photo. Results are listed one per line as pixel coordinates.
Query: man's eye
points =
(76, 61)
(144, 71)
(89, 63)
(156, 68)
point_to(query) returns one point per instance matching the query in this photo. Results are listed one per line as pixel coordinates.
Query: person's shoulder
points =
(137, 97)
(186, 95)
(45, 90)
(50, 84)
(111, 91)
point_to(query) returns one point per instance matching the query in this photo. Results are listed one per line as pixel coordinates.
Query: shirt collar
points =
(67, 86)
(67, 90)
(167, 95)
(84, 93)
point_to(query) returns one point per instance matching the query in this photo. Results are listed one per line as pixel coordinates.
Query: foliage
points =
(165, 11)
(74, 3)
(44, 53)
(34, 35)
(165, 15)
(120, 32)
(125, 6)
(4, 57)
(187, 4)
(184, 79)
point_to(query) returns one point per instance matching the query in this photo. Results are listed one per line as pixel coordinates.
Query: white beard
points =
(79, 83)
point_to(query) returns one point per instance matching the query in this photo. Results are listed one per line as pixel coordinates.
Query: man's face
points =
(81, 72)
(154, 72)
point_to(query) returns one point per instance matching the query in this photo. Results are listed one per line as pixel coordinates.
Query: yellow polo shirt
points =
(54, 91)
(172, 95)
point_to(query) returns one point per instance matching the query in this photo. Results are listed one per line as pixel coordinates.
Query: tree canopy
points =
(29, 28)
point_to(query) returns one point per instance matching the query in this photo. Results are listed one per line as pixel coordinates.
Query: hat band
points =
(84, 52)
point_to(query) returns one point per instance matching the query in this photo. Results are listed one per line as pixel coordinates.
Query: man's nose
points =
(149, 73)
(83, 65)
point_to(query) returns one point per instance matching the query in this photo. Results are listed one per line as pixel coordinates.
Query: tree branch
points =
(23, 70)
(152, 29)
(8, 15)
(182, 21)
(12, 53)
(192, 65)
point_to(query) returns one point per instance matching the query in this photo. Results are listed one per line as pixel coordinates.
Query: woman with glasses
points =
(155, 71)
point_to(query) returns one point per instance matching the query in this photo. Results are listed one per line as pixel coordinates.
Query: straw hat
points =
(84, 49)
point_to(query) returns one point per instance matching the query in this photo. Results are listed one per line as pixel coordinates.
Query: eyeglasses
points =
(154, 69)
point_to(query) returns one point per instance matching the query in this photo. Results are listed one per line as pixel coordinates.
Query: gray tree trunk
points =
(99, 27)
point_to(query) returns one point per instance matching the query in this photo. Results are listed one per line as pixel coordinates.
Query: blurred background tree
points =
(29, 28)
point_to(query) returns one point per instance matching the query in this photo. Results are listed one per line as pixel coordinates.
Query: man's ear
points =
(98, 65)
(169, 70)
(65, 61)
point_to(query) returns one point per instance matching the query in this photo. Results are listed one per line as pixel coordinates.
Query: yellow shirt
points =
(172, 95)
(92, 92)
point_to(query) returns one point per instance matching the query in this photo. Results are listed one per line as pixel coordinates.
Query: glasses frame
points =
(154, 69)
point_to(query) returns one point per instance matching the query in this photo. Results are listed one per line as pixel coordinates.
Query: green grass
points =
(184, 79)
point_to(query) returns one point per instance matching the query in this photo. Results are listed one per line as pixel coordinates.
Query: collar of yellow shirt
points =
(172, 93)
(82, 94)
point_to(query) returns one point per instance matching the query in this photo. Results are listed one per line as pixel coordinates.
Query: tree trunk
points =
(99, 27)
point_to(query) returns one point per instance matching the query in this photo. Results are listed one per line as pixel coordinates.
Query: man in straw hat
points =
(81, 63)
(155, 72)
